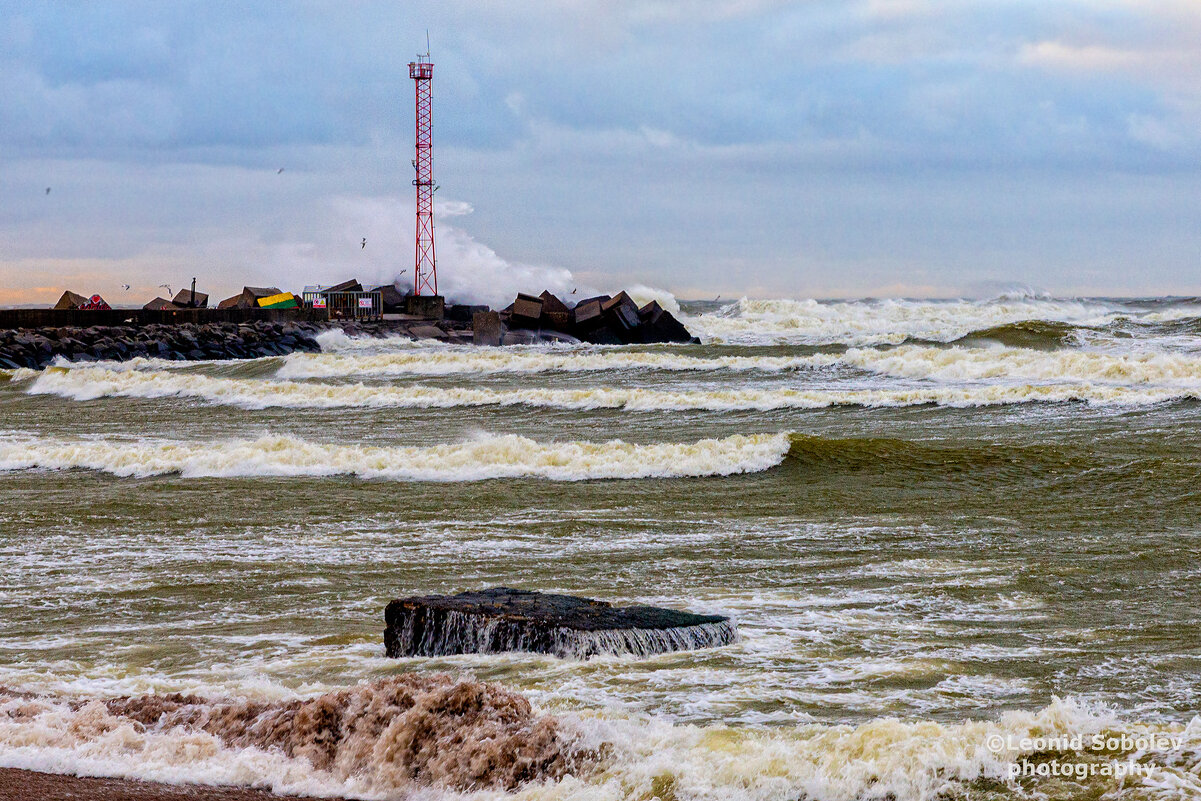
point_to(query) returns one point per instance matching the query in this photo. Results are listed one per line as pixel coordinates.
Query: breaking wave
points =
(484, 457)
(400, 732)
(395, 737)
(477, 361)
(941, 376)
(1036, 334)
(959, 364)
(878, 322)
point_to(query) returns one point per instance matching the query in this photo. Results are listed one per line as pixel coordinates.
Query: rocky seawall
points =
(540, 319)
(36, 348)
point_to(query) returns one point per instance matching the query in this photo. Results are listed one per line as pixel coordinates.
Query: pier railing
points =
(347, 305)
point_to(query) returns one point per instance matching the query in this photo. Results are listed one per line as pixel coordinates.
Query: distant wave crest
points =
(879, 322)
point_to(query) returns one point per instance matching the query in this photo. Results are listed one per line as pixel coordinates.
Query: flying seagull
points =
(125, 287)
(47, 190)
(364, 243)
(164, 286)
(573, 291)
(279, 171)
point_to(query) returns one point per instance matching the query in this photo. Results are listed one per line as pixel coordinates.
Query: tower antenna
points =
(425, 271)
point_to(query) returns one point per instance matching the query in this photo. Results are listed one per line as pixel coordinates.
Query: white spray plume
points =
(642, 295)
(469, 271)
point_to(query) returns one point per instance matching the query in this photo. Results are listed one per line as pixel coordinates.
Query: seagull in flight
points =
(164, 286)
(364, 243)
(47, 190)
(279, 171)
(125, 287)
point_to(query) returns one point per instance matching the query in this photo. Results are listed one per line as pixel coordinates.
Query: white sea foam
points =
(955, 364)
(883, 321)
(946, 365)
(476, 361)
(649, 757)
(335, 340)
(85, 384)
(481, 458)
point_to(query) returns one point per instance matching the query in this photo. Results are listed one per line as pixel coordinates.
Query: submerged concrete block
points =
(502, 619)
(427, 332)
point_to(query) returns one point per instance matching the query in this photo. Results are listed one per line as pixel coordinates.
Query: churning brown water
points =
(959, 540)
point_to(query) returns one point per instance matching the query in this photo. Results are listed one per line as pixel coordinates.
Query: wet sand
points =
(26, 785)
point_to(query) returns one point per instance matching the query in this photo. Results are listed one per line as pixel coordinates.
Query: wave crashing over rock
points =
(502, 619)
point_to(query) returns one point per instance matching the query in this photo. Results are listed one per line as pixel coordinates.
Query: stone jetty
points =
(502, 619)
(39, 347)
(36, 348)
(36, 338)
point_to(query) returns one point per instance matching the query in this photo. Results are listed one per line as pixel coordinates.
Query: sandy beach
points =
(27, 785)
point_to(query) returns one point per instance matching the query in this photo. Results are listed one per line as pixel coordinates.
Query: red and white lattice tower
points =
(425, 272)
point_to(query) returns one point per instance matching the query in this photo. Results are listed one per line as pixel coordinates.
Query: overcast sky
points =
(796, 149)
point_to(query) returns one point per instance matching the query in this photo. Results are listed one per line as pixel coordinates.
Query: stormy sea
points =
(958, 538)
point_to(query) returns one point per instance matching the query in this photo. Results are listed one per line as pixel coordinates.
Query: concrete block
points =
(660, 325)
(587, 313)
(427, 332)
(527, 310)
(485, 328)
(621, 312)
(427, 307)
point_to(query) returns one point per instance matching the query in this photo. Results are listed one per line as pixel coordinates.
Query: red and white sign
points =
(366, 303)
(319, 303)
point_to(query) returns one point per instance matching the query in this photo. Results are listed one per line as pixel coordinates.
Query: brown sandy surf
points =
(387, 735)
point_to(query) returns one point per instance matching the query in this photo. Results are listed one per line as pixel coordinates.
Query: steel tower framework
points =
(425, 271)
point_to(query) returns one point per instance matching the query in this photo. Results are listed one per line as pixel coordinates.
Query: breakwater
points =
(272, 335)
(37, 348)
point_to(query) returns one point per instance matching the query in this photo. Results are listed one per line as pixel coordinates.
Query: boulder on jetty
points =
(502, 619)
(602, 320)
(70, 300)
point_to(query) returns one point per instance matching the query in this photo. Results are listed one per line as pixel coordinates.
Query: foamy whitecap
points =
(369, 742)
(335, 339)
(85, 384)
(884, 321)
(950, 365)
(476, 361)
(477, 459)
